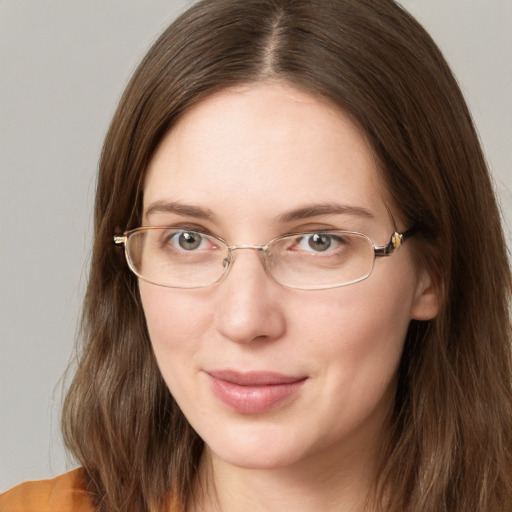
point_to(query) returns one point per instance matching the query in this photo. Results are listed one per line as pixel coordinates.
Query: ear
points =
(427, 301)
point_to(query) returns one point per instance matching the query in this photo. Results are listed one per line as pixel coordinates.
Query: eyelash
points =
(202, 231)
(306, 230)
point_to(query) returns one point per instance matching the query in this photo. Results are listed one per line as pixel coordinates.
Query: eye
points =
(318, 242)
(188, 240)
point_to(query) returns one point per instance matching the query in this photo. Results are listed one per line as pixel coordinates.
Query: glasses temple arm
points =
(119, 240)
(396, 241)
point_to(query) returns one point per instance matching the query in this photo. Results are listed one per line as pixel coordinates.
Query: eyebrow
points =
(304, 212)
(179, 208)
(315, 210)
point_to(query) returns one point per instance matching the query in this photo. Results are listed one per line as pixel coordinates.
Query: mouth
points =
(253, 392)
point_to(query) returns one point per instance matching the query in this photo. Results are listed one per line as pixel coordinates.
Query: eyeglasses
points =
(178, 258)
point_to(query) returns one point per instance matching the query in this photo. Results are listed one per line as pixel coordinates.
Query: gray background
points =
(63, 66)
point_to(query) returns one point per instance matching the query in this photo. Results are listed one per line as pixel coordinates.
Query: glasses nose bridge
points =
(260, 249)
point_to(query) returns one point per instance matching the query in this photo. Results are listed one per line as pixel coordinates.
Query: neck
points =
(319, 483)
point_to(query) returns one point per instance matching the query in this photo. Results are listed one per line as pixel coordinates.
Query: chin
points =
(257, 448)
(261, 459)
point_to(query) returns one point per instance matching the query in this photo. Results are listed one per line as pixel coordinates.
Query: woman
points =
(311, 309)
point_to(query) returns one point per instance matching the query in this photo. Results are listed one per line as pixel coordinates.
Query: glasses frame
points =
(395, 242)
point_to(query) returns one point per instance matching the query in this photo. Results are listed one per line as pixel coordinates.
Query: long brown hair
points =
(450, 447)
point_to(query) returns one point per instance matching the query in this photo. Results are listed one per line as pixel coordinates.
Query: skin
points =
(246, 156)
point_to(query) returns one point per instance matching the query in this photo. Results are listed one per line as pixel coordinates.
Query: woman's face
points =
(270, 376)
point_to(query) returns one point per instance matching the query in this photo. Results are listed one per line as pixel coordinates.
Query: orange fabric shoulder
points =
(65, 493)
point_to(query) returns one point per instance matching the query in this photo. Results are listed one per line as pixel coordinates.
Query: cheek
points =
(359, 315)
(171, 313)
(176, 321)
(359, 331)
(358, 344)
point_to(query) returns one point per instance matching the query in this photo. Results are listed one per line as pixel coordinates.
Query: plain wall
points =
(63, 66)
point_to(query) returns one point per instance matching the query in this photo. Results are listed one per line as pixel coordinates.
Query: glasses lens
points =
(176, 258)
(321, 260)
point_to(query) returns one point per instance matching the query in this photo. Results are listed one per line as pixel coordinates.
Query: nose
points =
(248, 307)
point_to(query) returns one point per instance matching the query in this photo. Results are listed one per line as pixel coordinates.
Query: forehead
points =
(262, 150)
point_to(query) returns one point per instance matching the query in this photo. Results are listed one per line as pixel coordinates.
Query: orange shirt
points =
(64, 493)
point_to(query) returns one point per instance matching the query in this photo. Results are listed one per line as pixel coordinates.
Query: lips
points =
(253, 392)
